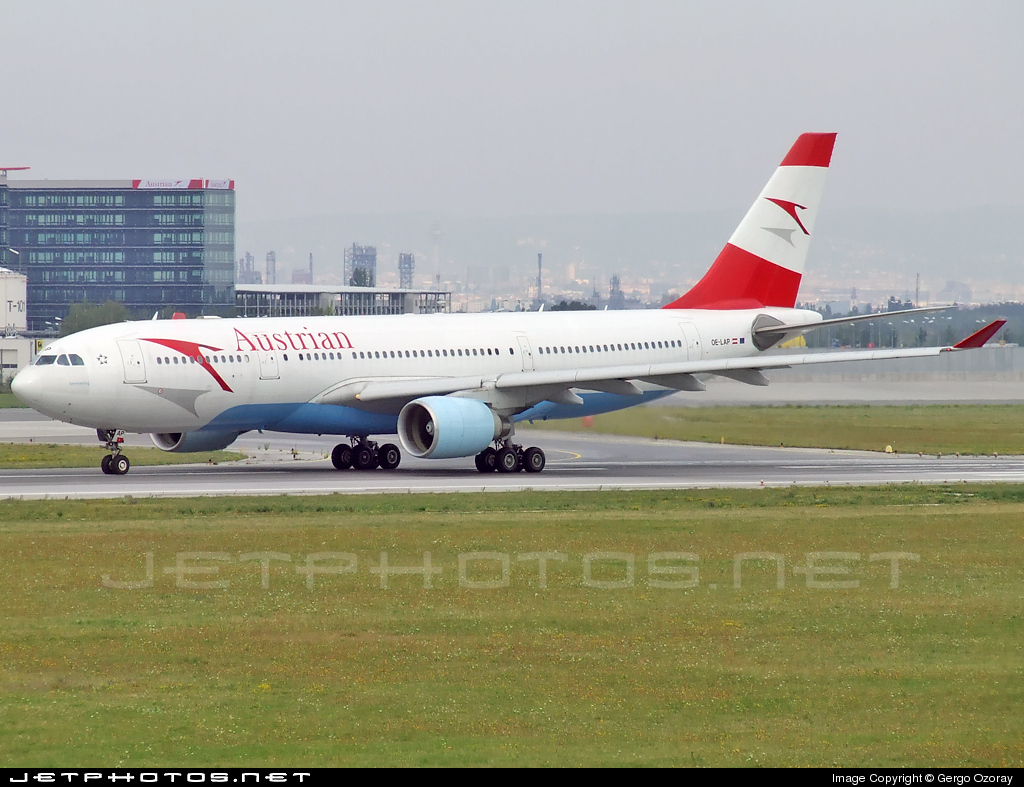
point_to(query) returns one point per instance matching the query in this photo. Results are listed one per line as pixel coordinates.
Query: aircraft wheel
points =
(341, 456)
(486, 460)
(363, 458)
(119, 465)
(533, 460)
(507, 460)
(389, 456)
(105, 465)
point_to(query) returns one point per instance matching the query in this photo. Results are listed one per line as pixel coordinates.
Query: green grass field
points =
(931, 429)
(9, 400)
(279, 666)
(26, 456)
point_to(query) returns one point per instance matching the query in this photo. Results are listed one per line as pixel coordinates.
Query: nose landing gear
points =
(114, 463)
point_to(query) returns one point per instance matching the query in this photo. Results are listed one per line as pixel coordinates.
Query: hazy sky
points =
(496, 108)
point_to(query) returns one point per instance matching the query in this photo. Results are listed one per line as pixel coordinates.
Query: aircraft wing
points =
(393, 394)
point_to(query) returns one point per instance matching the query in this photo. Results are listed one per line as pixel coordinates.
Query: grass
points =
(931, 429)
(25, 456)
(348, 673)
(9, 400)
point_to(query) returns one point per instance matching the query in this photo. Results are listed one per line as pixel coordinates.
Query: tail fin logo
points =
(790, 208)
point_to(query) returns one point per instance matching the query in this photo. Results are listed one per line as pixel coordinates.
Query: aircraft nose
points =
(26, 386)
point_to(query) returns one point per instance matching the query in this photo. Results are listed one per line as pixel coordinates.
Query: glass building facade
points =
(155, 246)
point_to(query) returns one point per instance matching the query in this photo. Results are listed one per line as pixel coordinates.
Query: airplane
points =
(453, 385)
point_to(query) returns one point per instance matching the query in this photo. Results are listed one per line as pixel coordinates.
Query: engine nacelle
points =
(442, 427)
(191, 442)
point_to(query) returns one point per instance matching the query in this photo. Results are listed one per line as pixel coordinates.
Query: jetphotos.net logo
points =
(489, 570)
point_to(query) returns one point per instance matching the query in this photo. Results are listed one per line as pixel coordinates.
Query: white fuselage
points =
(184, 375)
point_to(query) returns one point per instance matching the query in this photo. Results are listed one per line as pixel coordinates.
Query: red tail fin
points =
(763, 262)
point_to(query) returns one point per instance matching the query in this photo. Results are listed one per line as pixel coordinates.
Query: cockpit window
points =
(76, 360)
(45, 360)
(63, 361)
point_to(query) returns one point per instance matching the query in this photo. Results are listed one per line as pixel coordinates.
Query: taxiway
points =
(299, 465)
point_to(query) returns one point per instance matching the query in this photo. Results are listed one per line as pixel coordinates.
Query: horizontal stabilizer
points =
(768, 331)
(978, 338)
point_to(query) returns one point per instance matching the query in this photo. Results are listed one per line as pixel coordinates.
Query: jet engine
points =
(190, 442)
(442, 427)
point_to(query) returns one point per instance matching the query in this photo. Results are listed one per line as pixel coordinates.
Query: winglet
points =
(978, 338)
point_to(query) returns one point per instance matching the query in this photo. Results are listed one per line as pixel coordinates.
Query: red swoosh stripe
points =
(192, 350)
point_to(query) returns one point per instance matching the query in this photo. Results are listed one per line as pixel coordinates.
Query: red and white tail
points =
(763, 261)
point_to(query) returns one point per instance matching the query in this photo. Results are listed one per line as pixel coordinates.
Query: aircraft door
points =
(134, 364)
(268, 366)
(527, 353)
(694, 351)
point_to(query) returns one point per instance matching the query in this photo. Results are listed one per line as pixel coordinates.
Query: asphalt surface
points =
(299, 464)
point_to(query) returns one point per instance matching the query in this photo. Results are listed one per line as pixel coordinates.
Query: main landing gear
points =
(363, 454)
(510, 458)
(114, 463)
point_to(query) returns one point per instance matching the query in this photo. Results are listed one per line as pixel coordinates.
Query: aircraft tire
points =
(486, 460)
(341, 456)
(363, 458)
(533, 460)
(105, 465)
(389, 456)
(119, 465)
(507, 460)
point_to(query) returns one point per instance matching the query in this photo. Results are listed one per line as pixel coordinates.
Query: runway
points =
(298, 465)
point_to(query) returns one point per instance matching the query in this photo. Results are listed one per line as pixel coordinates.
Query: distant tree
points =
(360, 278)
(572, 306)
(89, 315)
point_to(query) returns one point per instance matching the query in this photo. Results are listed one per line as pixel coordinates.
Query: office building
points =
(153, 245)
